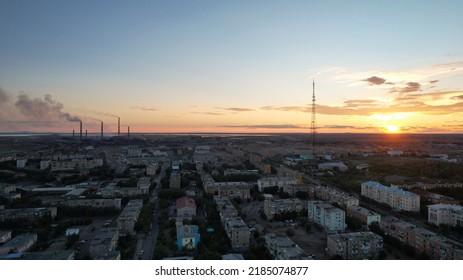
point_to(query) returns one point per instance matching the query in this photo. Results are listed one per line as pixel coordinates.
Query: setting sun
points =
(392, 129)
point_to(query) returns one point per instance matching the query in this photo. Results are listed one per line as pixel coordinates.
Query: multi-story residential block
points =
(240, 190)
(175, 180)
(5, 236)
(283, 248)
(363, 215)
(355, 246)
(113, 190)
(445, 214)
(398, 199)
(129, 216)
(422, 240)
(20, 243)
(115, 203)
(225, 208)
(104, 242)
(152, 169)
(238, 232)
(187, 237)
(332, 219)
(27, 213)
(76, 164)
(186, 207)
(292, 190)
(335, 196)
(274, 207)
(228, 189)
(276, 181)
(144, 183)
(235, 172)
(49, 255)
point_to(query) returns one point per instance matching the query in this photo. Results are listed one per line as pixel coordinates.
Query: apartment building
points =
(20, 243)
(238, 232)
(75, 164)
(274, 207)
(276, 181)
(104, 242)
(175, 180)
(335, 196)
(330, 218)
(5, 235)
(340, 166)
(27, 213)
(445, 214)
(292, 190)
(363, 215)
(355, 246)
(283, 248)
(239, 190)
(435, 246)
(398, 199)
(115, 203)
(129, 217)
(225, 208)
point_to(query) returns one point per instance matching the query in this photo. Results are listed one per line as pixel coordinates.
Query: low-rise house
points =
(186, 207)
(187, 237)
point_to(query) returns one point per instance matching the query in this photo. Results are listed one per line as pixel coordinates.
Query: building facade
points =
(274, 207)
(445, 214)
(397, 199)
(330, 218)
(355, 246)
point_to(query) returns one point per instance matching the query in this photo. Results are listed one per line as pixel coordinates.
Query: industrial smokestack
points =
(128, 132)
(80, 130)
(101, 130)
(118, 126)
(86, 134)
(73, 134)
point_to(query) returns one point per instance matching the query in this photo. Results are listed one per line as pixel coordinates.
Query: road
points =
(147, 242)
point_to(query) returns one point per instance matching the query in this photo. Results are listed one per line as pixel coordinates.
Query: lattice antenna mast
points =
(313, 124)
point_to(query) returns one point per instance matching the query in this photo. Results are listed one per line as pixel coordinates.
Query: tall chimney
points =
(101, 130)
(128, 132)
(73, 134)
(118, 126)
(86, 134)
(80, 130)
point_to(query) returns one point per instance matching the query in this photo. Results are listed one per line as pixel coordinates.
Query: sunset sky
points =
(231, 66)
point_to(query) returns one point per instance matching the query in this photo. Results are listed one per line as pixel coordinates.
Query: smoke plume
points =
(46, 109)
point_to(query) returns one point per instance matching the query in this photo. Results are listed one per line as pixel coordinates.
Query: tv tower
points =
(313, 124)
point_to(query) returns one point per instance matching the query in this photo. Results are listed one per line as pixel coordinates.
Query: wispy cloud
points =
(236, 109)
(348, 127)
(208, 113)
(144, 108)
(266, 126)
